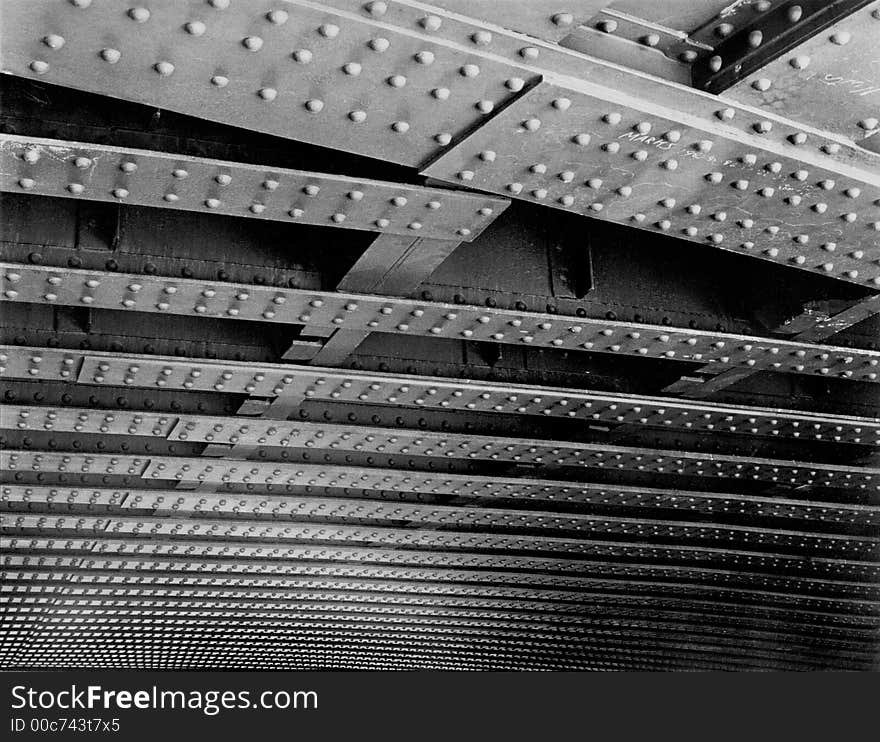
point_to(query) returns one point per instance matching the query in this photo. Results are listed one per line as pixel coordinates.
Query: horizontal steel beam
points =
(103, 544)
(365, 313)
(287, 381)
(791, 612)
(248, 437)
(538, 572)
(859, 641)
(95, 172)
(99, 622)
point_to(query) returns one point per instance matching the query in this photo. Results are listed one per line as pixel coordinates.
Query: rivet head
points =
(397, 81)
(607, 26)
(562, 104)
(277, 17)
(800, 62)
(268, 94)
(762, 84)
(111, 56)
(328, 30)
(716, 63)
(39, 66)
(481, 38)
(529, 52)
(53, 41)
(219, 81)
(562, 19)
(515, 84)
(841, 38)
(26, 183)
(252, 43)
(869, 124)
(401, 127)
(195, 28)
(379, 45)
(83, 163)
(652, 39)
(357, 117)
(351, 68)
(431, 23)
(425, 57)
(141, 15)
(756, 38)
(164, 68)
(314, 105)
(469, 70)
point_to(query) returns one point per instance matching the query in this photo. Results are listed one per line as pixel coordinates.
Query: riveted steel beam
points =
(795, 611)
(618, 560)
(365, 313)
(475, 569)
(550, 20)
(817, 566)
(290, 518)
(839, 639)
(103, 627)
(212, 586)
(272, 380)
(280, 505)
(847, 632)
(192, 632)
(334, 78)
(96, 172)
(261, 434)
(829, 80)
(621, 160)
(756, 153)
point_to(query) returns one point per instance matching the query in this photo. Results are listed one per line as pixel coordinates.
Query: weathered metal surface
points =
(332, 384)
(830, 80)
(574, 151)
(341, 79)
(260, 434)
(551, 20)
(100, 173)
(364, 313)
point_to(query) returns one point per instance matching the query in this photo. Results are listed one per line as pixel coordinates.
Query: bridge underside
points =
(470, 335)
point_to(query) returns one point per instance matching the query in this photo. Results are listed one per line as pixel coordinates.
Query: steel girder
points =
(205, 523)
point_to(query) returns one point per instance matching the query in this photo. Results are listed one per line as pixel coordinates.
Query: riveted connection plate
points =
(577, 152)
(830, 80)
(95, 172)
(405, 316)
(420, 391)
(298, 70)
